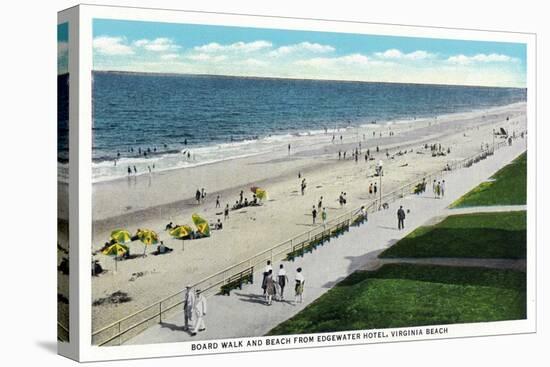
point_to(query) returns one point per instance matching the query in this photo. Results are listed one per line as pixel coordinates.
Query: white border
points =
(87, 13)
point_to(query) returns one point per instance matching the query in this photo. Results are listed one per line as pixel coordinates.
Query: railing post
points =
(160, 312)
(119, 336)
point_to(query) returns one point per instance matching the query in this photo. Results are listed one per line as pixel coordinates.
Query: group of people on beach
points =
(274, 286)
(200, 195)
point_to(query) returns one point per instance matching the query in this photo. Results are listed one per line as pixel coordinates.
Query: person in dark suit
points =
(400, 218)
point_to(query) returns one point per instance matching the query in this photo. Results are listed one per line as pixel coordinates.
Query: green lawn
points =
(479, 235)
(401, 295)
(508, 188)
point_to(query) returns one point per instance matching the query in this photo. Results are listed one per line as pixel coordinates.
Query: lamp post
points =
(380, 172)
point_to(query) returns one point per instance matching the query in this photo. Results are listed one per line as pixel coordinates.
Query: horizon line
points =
(158, 73)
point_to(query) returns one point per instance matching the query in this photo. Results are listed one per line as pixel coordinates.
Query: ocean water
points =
(151, 119)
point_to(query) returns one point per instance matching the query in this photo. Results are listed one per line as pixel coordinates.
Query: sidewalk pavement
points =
(244, 313)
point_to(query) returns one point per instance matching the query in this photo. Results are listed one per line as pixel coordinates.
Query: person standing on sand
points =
(282, 279)
(375, 188)
(303, 186)
(199, 313)
(288, 149)
(299, 286)
(129, 171)
(370, 189)
(400, 218)
(135, 170)
(320, 204)
(314, 214)
(198, 196)
(188, 306)
(203, 194)
(226, 212)
(218, 201)
(339, 154)
(241, 197)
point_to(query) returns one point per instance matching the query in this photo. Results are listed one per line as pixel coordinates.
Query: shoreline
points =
(173, 160)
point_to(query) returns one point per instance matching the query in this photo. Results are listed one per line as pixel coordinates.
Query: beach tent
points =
(121, 236)
(147, 237)
(202, 225)
(116, 250)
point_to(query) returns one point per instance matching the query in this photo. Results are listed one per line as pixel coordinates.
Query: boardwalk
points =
(244, 313)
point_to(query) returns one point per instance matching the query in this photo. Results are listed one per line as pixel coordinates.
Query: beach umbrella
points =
(181, 231)
(260, 193)
(202, 225)
(121, 236)
(116, 250)
(147, 237)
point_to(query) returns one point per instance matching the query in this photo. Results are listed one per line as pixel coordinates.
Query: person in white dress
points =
(199, 312)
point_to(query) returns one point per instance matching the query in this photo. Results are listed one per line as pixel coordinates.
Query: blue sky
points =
(221, 50)
(62, 48)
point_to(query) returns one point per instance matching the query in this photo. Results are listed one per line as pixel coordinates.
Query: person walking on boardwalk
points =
(324, 216)
(438, 189)
(188, 306)
(442, 189)
(314, 214)
(400, 218)
(199, 313)
(282, 279)
(269, 288)
(299, 286)
(434, 186)
(267, 268)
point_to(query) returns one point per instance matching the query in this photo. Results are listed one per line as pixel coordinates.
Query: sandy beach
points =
(151, 201)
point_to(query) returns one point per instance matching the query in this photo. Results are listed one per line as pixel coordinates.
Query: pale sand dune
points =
(153, 201)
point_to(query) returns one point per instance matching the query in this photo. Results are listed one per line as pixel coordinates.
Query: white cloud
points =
(301, 47)
(169, 56)
(206, 57)
(157, 45)
(237, 46)
(395, 54)
(255, 62)
(346, 60)
(480, 58)
(111, 46)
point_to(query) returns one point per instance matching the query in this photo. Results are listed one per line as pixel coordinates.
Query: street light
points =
(380, 170)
